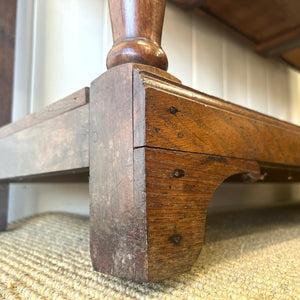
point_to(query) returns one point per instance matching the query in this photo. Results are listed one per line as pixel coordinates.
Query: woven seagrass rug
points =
(253, 254)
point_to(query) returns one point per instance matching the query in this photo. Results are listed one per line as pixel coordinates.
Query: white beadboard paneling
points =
(22, 197)
(68, 54)
(23, 201)
(294, 95)
(235, 71)
(71, 36)
(70, 197)
(236, 196)
(277, 90)
(177, 43)
(208, 57)
(257, 82)
(23, 59)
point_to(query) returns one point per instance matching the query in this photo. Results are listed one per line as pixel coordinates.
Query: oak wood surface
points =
(280, 44)
(148, 206)
(117, 215)
(178, 118)
(259, 20)
(55, 145)
(293, 57)
(272, 26)
(177, 204)
(137, 29)
(189, 4)
(66, 104)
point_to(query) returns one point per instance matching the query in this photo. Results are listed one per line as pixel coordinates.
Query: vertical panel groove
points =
(33, 56)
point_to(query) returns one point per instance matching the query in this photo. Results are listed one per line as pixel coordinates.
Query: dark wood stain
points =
(51, 146)
(51, 111)
(176, 216)
(272, 25)
(118, 224)
(137, 30)
(209, 129)
(156, 198)
(156, 151)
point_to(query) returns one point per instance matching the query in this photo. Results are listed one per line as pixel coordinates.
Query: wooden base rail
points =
(155, 152)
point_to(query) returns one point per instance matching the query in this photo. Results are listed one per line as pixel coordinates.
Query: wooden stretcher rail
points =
(54, 140)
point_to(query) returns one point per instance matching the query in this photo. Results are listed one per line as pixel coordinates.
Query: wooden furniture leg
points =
(149, 204)
(159, 150)
(155, 151)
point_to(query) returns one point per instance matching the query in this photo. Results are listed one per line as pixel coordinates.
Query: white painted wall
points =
(62, 46)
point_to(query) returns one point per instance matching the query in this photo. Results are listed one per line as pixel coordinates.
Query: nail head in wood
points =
(178, 173)
(173, 110)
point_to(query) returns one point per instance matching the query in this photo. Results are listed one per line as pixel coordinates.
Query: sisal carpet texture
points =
(252, 254)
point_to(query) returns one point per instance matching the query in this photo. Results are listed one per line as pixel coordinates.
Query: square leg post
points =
(149, 204)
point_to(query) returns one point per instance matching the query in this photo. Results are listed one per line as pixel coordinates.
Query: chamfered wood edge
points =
(51, 111)
(197, 96)
(118, 229)
(56, 145)
(197, 116)
(145, 77)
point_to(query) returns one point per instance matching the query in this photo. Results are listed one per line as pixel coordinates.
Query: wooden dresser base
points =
(155, 152)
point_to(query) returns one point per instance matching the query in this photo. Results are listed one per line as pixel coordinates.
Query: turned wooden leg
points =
(4, 188)
(137, 27)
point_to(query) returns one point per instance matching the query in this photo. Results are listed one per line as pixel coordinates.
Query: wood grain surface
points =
(51, 111)
(137, 29)
(56, 145)
(179, 186)
(157, 151)
(117, 215)
(178, 118)
(148, 205)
